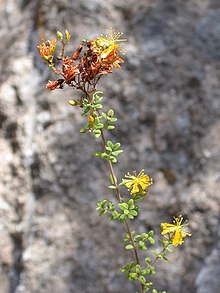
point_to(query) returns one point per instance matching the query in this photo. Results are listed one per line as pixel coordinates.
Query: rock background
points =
(167, 100)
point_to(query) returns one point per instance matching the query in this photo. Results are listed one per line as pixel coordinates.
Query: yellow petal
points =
(135, 189)
(128, 184)
(177, 239)
(167, 228)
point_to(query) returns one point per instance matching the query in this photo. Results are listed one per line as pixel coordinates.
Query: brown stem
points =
(117, 191)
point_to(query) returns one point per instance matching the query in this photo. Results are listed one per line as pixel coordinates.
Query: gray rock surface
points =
(167, 99)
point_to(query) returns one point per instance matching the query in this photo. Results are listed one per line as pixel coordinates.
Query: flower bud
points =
(60, 35)
(67, 36)
(73, 102)
(98, 43)
(90, 119)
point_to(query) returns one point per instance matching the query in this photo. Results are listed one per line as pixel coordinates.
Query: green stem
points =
(164, 249)
(63, 49)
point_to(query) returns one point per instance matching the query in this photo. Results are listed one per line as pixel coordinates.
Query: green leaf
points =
(98, 106)
(110, 127)
(104, 115)
(130, 202)
(116, 146)
(97, 154)
(113, 159)
(110, 144)
(99, 125)
(112, 187)
(102, 212)
(116, 153)
(122, 218)
(129, 246)
(111, 113)
(133, 275)
(113, 119)
(105, 156)
(151, 240)
(130, 217)
(142, 280)
(97, 120)
(169, 249)
(110, 205)
(85, 110)
(143, 247)
(97, 131)
(113, 179)
(96, 96)
(123, 206)
(83, 130)
(147, 260)
(108, 148)
(138, 268)
(150, 233)
(89, 125)
(144, 236)
(133, 213)
(115, 214)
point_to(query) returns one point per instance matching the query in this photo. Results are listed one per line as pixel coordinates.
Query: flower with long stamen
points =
(110, 42)
(176, 231)
(137, 184)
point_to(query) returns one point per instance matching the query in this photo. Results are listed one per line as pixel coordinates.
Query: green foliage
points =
(135, 272)
(128, 210)
(155, 291)
(99, 120)
(107, 206)
(166, 249)
(112, 151)
(139, 240)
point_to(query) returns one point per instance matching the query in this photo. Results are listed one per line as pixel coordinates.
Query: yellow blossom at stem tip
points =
(137, 184)
(110, 43)
(176, 231)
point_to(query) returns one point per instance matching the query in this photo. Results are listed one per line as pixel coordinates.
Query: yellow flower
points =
(110, 43)
(137, 184)
(176, 231)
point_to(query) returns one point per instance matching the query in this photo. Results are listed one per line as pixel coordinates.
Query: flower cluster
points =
(175, 231)
(89, 62)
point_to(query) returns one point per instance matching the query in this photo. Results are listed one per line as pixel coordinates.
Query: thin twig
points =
(117, 191)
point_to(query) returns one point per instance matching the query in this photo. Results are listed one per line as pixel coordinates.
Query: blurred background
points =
(166, 98)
